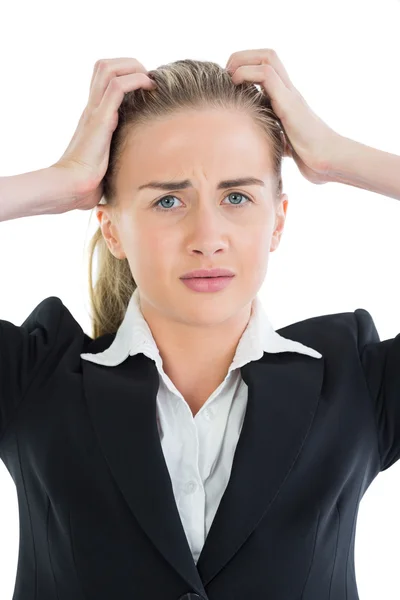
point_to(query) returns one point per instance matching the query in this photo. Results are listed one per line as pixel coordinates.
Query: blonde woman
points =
(186, 450)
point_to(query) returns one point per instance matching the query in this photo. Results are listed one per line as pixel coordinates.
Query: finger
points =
(96, 67)
(114, 61)
(107, 110)
(263, 56)
(270, 82)
(104, 70)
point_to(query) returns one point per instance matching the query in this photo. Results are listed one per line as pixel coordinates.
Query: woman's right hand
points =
(87, 156)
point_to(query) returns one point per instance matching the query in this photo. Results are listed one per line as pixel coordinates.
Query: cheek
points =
(256, 249)
(257, 240)
(153, 251)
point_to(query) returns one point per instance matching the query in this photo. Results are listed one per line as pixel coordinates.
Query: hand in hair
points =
(86, 158)
(308, 140)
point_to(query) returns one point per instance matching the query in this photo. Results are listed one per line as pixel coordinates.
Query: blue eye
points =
(156, 207)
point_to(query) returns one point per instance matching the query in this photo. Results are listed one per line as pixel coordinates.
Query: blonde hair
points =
(181, 85)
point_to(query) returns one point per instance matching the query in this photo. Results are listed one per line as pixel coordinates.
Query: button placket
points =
(191, 487)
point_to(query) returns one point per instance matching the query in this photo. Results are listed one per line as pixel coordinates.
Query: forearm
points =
(46, 191)
(365, 167)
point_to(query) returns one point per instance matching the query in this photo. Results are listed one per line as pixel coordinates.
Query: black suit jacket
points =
(98, 519)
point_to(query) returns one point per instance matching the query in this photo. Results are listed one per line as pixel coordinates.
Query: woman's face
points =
(165, 233)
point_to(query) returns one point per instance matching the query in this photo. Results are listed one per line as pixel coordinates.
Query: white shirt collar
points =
(134, 336)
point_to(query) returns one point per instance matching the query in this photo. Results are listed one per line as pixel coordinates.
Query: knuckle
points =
(102, 64)
(266, 68)
(98, 63)
(268, 52)
(115, 83)
(142, 77)
(234, 57)
(269, 55)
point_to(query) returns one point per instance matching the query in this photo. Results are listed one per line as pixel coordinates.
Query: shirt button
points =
(207, 414)
(190, 487)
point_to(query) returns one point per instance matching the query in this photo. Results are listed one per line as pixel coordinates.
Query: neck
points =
(196, 358)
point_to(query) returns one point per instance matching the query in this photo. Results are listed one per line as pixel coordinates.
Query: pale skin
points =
(75, 182)
(200, 227)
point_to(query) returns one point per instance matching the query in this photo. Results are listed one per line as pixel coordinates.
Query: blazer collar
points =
(134, 336)
(283, 396)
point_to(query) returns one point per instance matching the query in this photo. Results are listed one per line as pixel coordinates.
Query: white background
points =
(341, 246)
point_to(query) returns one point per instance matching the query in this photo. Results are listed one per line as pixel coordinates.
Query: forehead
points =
(213, 140)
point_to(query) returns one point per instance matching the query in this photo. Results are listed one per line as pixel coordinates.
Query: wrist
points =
(341, 153)
(68, 189)
(41, 192)
(365, 167)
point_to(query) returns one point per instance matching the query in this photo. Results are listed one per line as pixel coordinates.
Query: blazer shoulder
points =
(377, 360)
(380, 362)
(26, 349)
(324, 332)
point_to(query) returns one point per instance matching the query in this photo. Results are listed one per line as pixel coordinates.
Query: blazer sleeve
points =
(381, 366)
(23, 351)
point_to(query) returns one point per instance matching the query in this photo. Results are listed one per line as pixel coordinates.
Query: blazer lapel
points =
(283, 395)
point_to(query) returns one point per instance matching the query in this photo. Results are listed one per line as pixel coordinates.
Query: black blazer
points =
(98, 519)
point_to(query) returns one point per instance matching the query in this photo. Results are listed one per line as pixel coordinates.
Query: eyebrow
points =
(182, 185)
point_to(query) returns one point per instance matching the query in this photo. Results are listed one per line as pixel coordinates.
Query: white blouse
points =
(198, 450)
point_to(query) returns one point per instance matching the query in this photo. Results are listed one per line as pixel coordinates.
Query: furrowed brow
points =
(182, 185)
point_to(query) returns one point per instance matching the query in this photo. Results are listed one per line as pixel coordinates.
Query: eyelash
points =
(173, 196)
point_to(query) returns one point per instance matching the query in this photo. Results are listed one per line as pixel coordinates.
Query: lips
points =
(208, 273)
(208, 284)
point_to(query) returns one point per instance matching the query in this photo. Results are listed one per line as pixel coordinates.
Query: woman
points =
(217, 458)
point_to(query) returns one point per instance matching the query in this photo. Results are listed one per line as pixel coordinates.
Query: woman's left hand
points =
(310, 141)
